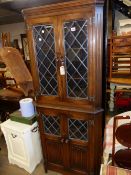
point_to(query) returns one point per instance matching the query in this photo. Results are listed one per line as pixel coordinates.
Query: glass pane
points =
(45, 54)
(51, 124)
(76, 57)
(78, 129)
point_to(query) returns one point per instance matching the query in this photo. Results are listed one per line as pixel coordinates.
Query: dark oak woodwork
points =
(66, 154)
(77, 10)
(70, 116)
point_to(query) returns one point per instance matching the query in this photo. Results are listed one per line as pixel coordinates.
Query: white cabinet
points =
(23, 143)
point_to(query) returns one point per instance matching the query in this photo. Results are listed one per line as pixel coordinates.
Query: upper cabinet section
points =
(65, 44)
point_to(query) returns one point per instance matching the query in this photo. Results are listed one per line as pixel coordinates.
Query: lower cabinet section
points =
(23, 143)
(78, 158)
(71, 141)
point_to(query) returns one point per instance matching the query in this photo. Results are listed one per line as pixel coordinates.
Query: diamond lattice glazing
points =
(78, 129)
(51, 124)
(45, 54)
(76, 57)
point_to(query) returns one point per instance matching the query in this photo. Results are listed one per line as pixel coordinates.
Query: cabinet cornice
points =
(56, 8)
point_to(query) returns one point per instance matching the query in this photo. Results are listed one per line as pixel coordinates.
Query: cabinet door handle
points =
(13, 135)
(35, 129)
(91, 98)
(62, 61)
(62, 140)
(57, 60)
(67, 140)
(91, 122)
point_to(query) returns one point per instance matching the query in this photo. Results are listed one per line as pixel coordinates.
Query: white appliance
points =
(23, 143)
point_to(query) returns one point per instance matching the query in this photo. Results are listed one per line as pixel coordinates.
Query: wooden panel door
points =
(50, 124)
(79, 138)
(66, 139)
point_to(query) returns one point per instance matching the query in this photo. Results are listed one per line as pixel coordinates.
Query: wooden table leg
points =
(111, 102)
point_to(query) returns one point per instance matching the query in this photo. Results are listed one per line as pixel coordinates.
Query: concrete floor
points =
(9, 169)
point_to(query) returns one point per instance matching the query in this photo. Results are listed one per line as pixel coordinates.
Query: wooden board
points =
(16, 65)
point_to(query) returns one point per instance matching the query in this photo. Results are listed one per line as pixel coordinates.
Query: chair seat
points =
(123, 158)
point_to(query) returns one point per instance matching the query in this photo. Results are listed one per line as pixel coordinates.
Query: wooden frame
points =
(25, 50)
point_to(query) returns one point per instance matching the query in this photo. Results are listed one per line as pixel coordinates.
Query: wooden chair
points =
(119, 65)
(122, 133)
(5, 37)
(120, 57)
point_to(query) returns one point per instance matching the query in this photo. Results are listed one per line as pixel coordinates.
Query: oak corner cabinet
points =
(65, 46)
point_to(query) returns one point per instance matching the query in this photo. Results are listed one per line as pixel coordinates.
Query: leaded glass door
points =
(79, 139)
(52, 137)
(45, 46)
(66, 138)
(63, 58)
(76, 33)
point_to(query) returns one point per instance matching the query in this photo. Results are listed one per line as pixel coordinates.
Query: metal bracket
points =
(92, 20)
(28, 27)
(91, 122)
(91, 98)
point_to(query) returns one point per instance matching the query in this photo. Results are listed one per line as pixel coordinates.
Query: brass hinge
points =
(91, 122)
(92, 20)
(91, 98)
(28, 27)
